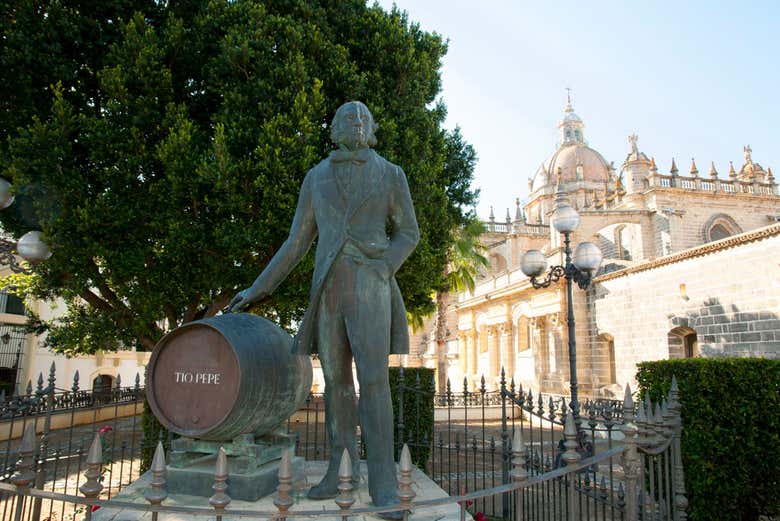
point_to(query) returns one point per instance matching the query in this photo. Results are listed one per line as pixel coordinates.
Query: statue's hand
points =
(242, 299)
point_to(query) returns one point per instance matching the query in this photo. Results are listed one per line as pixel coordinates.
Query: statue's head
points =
(353, 126)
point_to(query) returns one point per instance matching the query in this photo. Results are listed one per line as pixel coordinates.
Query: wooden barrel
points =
(219, 378)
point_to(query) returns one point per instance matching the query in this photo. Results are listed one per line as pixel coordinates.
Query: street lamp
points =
(30, 247)
(580, 269)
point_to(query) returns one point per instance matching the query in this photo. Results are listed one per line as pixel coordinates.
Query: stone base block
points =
(251, 485)
(424, 487)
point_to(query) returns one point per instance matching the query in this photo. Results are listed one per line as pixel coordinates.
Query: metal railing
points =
(632, 453)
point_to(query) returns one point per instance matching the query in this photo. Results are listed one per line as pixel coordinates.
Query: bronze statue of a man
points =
(350, 200)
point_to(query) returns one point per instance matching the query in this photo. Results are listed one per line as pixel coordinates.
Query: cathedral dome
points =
(574, 158)
(567, 158)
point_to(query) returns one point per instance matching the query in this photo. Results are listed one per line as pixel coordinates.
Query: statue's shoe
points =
(395, 514)
(325, 489)
(328, 487)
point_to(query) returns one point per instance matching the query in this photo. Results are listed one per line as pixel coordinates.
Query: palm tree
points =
(466, 260)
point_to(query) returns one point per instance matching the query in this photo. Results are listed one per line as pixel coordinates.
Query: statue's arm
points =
(404, 232)
(302, 233)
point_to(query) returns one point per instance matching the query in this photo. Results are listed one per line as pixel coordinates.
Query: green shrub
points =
(731, 432)
(418, 411)
(151, 429)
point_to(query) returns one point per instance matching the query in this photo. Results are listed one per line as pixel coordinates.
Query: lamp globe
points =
(533, 263)
(565, 218)
(587, 257)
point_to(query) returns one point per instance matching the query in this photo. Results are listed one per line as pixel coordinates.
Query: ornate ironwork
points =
(569, 271)
(553, 275)
(8, 256)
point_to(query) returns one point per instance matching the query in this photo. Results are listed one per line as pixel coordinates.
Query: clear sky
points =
(691, 79)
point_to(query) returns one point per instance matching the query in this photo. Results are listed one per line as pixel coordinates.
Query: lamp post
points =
(578, 268)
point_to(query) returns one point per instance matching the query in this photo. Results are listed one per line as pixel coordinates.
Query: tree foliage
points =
(160, 147)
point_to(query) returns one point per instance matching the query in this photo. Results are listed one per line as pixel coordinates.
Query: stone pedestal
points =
(424, 487)
(253, 465)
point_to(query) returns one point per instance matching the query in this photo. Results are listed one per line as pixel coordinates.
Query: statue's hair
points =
(336, 132)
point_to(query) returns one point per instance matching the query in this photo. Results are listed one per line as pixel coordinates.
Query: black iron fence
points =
(633, 450)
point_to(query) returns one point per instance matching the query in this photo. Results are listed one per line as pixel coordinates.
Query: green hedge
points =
(151, 429)
(731, 432)
(418, 411)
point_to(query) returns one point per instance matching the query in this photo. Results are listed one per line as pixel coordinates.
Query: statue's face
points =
(354, 126)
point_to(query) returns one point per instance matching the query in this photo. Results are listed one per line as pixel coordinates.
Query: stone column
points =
(471, 348)
(463, 352)
(494, 353)
(483, 346)
(507, 349)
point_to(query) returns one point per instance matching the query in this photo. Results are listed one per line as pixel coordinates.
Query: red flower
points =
(95, 507)
(479, 516)
(104, 429)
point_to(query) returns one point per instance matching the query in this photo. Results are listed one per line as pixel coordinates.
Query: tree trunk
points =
(441, 342)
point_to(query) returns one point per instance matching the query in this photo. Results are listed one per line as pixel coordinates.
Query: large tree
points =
(160, 147)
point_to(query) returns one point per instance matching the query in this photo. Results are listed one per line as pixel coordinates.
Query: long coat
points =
(359, 214)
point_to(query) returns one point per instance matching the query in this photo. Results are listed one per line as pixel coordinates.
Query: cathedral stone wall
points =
(689, 213)
(727, 293)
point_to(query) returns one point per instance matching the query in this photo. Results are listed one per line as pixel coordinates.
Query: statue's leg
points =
(340, 400)
(368, 329)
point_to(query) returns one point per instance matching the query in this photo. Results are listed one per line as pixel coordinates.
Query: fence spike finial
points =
(156, 492)
(519, 472)
(92, 487)
(95, 454)
(158, 460)
(345, 499)
(23, 476)
(283, 500)
(28, 438)
(628, 399)
(674, 395)
(405, 492)
(220, 499)
(569, 429)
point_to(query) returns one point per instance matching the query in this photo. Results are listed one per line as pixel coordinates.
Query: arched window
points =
(577, 135)
(102, 386)
(682, 343)
(523, 334)
(720, 226)
(621, 243)
(719, 232)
